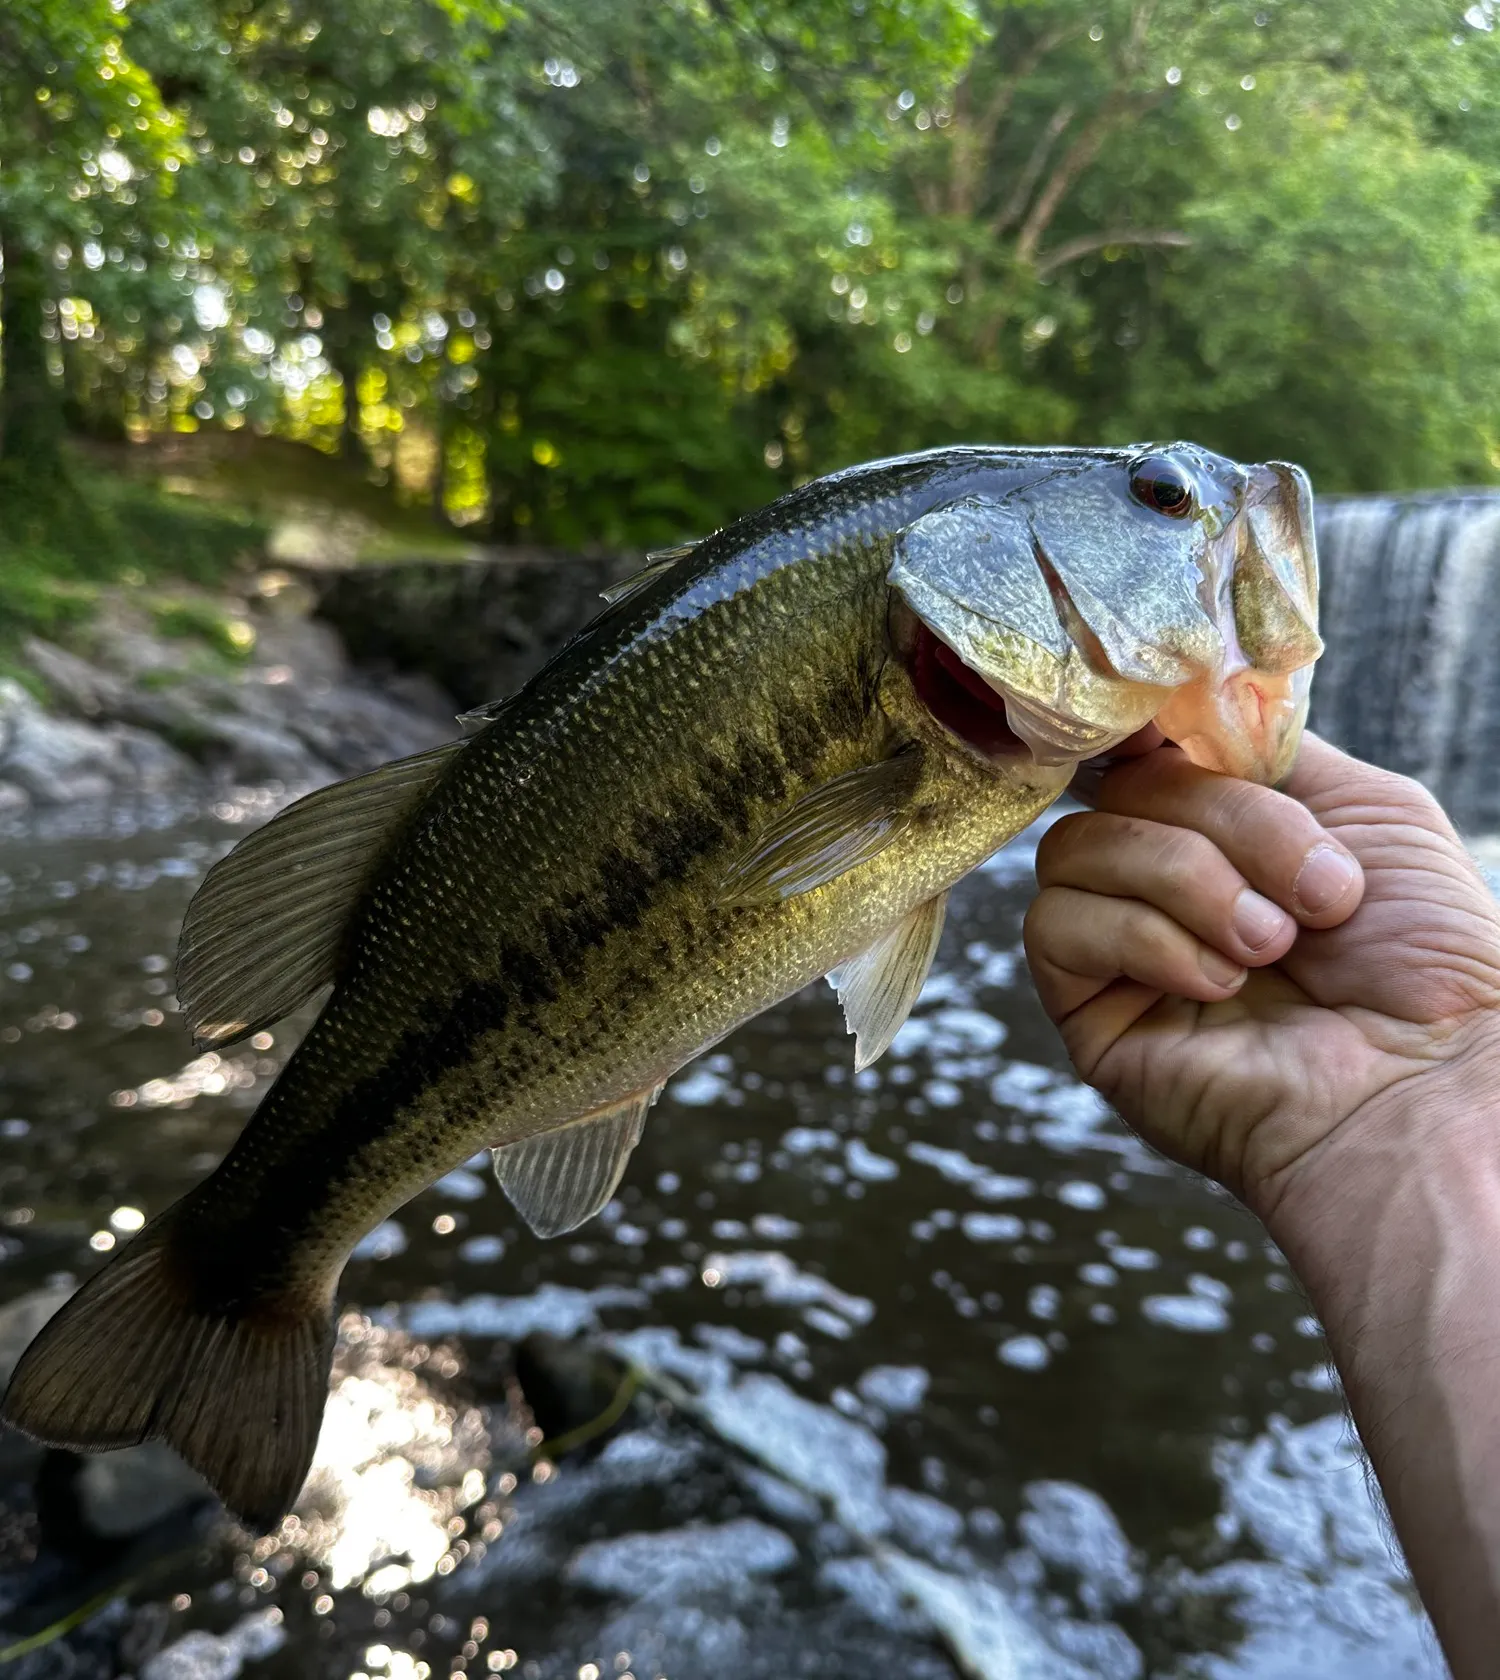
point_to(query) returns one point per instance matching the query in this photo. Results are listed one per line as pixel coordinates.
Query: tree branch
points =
(1074, 161)
(972, 145)
(1071, 249)
(1020, 197)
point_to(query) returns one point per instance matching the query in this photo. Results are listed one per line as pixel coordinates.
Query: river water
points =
(942, 1371)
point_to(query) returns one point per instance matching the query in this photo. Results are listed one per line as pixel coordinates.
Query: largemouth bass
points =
(767, 760)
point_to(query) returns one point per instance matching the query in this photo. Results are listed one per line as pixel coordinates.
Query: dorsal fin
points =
(481, 717)
(657, 561)
(879, 986)
(558, 1179)
(263, 931)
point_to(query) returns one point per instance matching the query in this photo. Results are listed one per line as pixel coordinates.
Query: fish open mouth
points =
(960, 699)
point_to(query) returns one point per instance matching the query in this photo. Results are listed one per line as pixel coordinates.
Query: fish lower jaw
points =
(1248, 724)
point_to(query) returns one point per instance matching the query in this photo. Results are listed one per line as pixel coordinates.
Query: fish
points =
(768, 759)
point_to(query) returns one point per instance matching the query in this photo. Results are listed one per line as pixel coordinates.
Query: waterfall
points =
(1410, 615)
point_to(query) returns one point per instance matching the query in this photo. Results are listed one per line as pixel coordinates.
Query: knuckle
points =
(1186, 859)
(1059, 843)
(1264, 818)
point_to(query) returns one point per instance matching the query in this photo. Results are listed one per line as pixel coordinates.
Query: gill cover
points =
(1091, 614)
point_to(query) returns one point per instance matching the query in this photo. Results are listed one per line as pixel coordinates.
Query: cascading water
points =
(1410, 614)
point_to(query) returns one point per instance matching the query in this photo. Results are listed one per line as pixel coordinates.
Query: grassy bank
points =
(200, 511)
(64, 541)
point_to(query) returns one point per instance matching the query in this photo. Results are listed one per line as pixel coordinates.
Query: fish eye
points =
(1163, 487)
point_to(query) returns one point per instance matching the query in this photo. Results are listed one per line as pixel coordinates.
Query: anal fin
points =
(879, 986)
(559, 1179)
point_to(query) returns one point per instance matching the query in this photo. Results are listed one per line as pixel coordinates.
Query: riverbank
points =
(187, 690)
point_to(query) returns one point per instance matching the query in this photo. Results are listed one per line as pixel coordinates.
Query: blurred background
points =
(612, 272)
(348, 348)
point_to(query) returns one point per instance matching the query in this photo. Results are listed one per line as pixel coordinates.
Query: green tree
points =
(88, 160)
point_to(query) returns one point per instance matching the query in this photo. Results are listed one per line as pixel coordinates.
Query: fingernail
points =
(1219, 969)
(1323, 879)
(1256, 920)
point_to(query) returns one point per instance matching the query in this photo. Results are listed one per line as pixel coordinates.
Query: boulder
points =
(55, 760)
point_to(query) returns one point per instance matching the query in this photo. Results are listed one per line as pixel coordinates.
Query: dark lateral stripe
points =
(313, 1165)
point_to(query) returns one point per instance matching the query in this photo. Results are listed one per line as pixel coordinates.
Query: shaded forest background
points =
(612, 271)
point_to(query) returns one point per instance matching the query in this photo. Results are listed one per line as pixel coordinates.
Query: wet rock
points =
(150, 713)
(155, 765)
(925, 1524)
(569, 1385)
(54, 760)
(479, 628)
(864, 1583)
(780, 1499)
(81, 687)
(124, 1493)
(251, 753)
(894, 1388)
(823, 1453)
(682, 1564)
(208, 1656)
(986, 1631)
(1072, 1528)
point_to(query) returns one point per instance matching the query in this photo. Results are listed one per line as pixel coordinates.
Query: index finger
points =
(1273, 839)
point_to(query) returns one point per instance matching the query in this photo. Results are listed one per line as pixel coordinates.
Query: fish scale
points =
(768, 759)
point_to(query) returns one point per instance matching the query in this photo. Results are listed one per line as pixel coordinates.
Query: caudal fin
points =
(133, 1357)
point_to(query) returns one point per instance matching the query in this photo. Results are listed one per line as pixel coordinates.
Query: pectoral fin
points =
(879, 986)
(263, 932)
(558, 1179)
(837, 826)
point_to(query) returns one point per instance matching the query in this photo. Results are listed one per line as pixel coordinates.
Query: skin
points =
(549, 930)
(1297, 993)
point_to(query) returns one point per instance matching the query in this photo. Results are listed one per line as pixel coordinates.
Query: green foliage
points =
(63, 543)
(610, 271)
(204, 620)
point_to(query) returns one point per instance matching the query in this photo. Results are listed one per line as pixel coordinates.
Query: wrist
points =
(1394, 1231)
(1438, 1124)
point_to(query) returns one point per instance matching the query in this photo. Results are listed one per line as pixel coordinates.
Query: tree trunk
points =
(31, 417)
(346, 342)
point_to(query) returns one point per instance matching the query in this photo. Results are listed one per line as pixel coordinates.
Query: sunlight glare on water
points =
(937, 1360)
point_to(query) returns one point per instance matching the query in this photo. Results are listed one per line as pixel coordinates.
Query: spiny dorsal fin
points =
(263, 931)
(879, 986)
(845, 822)
(558, 1179)
(481, 717)
(657, 561)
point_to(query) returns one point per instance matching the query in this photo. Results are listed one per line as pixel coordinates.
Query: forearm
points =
(1396, 1237)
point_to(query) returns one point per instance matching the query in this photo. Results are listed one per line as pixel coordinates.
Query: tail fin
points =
(133, 1357)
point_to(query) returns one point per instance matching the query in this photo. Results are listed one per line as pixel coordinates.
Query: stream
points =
(938, 1371)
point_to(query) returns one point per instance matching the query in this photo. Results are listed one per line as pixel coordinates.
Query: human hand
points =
(1250, 975)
